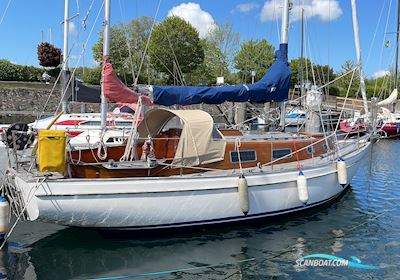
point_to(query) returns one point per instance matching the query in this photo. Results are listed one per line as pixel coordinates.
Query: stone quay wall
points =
(25, 101)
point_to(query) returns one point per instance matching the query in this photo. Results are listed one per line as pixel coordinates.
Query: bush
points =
(92, 76)
(334, 91)
(13, 72)
(10, 71)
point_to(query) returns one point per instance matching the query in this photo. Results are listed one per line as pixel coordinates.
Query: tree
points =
(227, 41)
(219, 46)
(48, 55)
(295, 68)
(175, 46)
(127, 46)
(254, 55)
(344, 82)
(92, 76)
(13, 72)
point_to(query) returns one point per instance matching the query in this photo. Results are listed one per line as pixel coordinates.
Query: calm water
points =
(365, 223)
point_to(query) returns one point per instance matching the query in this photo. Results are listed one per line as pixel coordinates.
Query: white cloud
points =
(192, 12)
(325, 10)
(72, 30)
(247, 7)
(380, 74)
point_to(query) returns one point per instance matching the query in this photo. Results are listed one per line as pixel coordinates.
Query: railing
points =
(351, 103)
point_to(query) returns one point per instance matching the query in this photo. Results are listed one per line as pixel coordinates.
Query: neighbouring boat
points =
(387, 123)
(178, 170)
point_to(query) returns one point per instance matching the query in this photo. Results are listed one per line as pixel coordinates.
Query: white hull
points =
(178, 201)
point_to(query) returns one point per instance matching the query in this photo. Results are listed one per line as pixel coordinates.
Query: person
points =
(46, 77)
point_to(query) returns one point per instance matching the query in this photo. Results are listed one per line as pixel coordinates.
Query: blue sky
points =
(329, 25)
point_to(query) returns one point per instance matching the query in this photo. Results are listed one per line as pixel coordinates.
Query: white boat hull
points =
(178, 201)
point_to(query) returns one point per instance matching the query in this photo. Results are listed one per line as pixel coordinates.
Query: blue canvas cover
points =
(274, 86)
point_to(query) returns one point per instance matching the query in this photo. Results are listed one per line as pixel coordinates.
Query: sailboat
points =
(388, 121)
(83, 129)
(178, 170)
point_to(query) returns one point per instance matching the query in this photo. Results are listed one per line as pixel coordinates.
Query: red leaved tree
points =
(48, 55)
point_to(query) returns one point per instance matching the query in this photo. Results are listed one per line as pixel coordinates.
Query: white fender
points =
(243, 194)
(4, 215)
(302, 187)
(342, 172)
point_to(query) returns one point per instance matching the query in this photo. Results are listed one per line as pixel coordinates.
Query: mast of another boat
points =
(396, 74)
(301, 72)
(284, 40)
(106, 52)
(358, 52)
(65, 75)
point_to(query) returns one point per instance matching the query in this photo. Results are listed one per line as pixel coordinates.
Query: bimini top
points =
(274, 86)
(196, 144)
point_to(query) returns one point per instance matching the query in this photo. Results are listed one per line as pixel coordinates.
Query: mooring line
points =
(38, 183)
(171, 271)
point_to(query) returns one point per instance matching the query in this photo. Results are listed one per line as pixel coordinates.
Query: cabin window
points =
(91, 123)
(245, 156)
(325, 147)
(279, 153)
(123, 123)
(216, 134)
(311, 149)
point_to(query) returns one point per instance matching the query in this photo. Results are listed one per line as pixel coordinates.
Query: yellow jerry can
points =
(51, 151)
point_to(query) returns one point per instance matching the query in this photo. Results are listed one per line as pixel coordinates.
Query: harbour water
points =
(364, 223)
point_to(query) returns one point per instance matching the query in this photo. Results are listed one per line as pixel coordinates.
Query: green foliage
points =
(226, 41)
(92, 76)
(254, 55)
(323, 73)
(295, 68)
(343, 83)
(175, 43)
(213, 66)
(381, 87)
(13, 72)
(127, 45)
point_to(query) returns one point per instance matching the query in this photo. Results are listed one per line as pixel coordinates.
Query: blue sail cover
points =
(274, 86)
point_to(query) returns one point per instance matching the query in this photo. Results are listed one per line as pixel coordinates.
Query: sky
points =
(329, 29)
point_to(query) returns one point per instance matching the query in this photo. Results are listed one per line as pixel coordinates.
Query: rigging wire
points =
(5, 11)
(148, 42)
(309, 52)
(375, 33)
(179, 70)
(85, 18)
(277, 23)
(127, 44)
(382, 48)
(80, 56)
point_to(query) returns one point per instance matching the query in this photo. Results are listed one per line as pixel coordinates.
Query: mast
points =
(302, 56)
(284, 40)
(358, 51)
(396, 74)
(106, 52)
(65, 75)
(285, 23)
